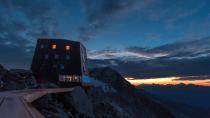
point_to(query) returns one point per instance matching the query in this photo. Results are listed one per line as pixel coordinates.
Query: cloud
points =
(131, 53)
(177, 62)
(22, 22)
(176, 51)
(99, 14)
(193, 78)
(173, 10)
(26, 19)
(14, 57)
(186, 49)
(198, 29)
(152, 36)
(158, 67)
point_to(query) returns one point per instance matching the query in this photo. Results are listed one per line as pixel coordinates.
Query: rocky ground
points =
(122, 101)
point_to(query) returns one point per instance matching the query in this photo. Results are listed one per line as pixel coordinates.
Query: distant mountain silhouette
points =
(189, 94)
(186, 100)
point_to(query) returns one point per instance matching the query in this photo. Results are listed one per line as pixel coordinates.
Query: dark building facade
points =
(59, 61)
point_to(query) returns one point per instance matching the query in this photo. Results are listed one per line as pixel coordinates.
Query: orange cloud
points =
(167, 80)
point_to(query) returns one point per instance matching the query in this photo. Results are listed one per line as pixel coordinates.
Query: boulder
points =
(2, 70)
(104, 107)
(127, 101)
(79, 100)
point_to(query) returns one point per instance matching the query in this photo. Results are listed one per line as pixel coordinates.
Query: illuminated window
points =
(54, 46)
(68, 47)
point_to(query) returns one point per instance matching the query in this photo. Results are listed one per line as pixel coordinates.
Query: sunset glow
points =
(167, 80)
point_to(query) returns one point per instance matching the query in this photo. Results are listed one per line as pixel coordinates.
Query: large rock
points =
(9, 81)
(25, 77)
(75, 104)
(16, 79)
(2, 70)
(104, 106)
(50, 107)
(79, 100)
(127, 98)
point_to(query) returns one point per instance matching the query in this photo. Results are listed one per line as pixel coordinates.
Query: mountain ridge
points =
(125, 102)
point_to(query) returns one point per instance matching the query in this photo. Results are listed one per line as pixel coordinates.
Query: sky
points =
(168, 81)
(139, 38)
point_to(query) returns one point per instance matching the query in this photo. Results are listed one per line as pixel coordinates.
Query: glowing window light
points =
(54, 46)
(68, 47)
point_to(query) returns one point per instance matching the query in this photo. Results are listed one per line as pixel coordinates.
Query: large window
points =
(68, 47)
(54, 46)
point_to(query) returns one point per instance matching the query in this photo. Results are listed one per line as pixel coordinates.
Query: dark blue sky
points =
(113, 23)
(115, 30)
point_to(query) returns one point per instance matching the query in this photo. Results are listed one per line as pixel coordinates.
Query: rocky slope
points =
(16, 79)
(121, 101)
(127, 101)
